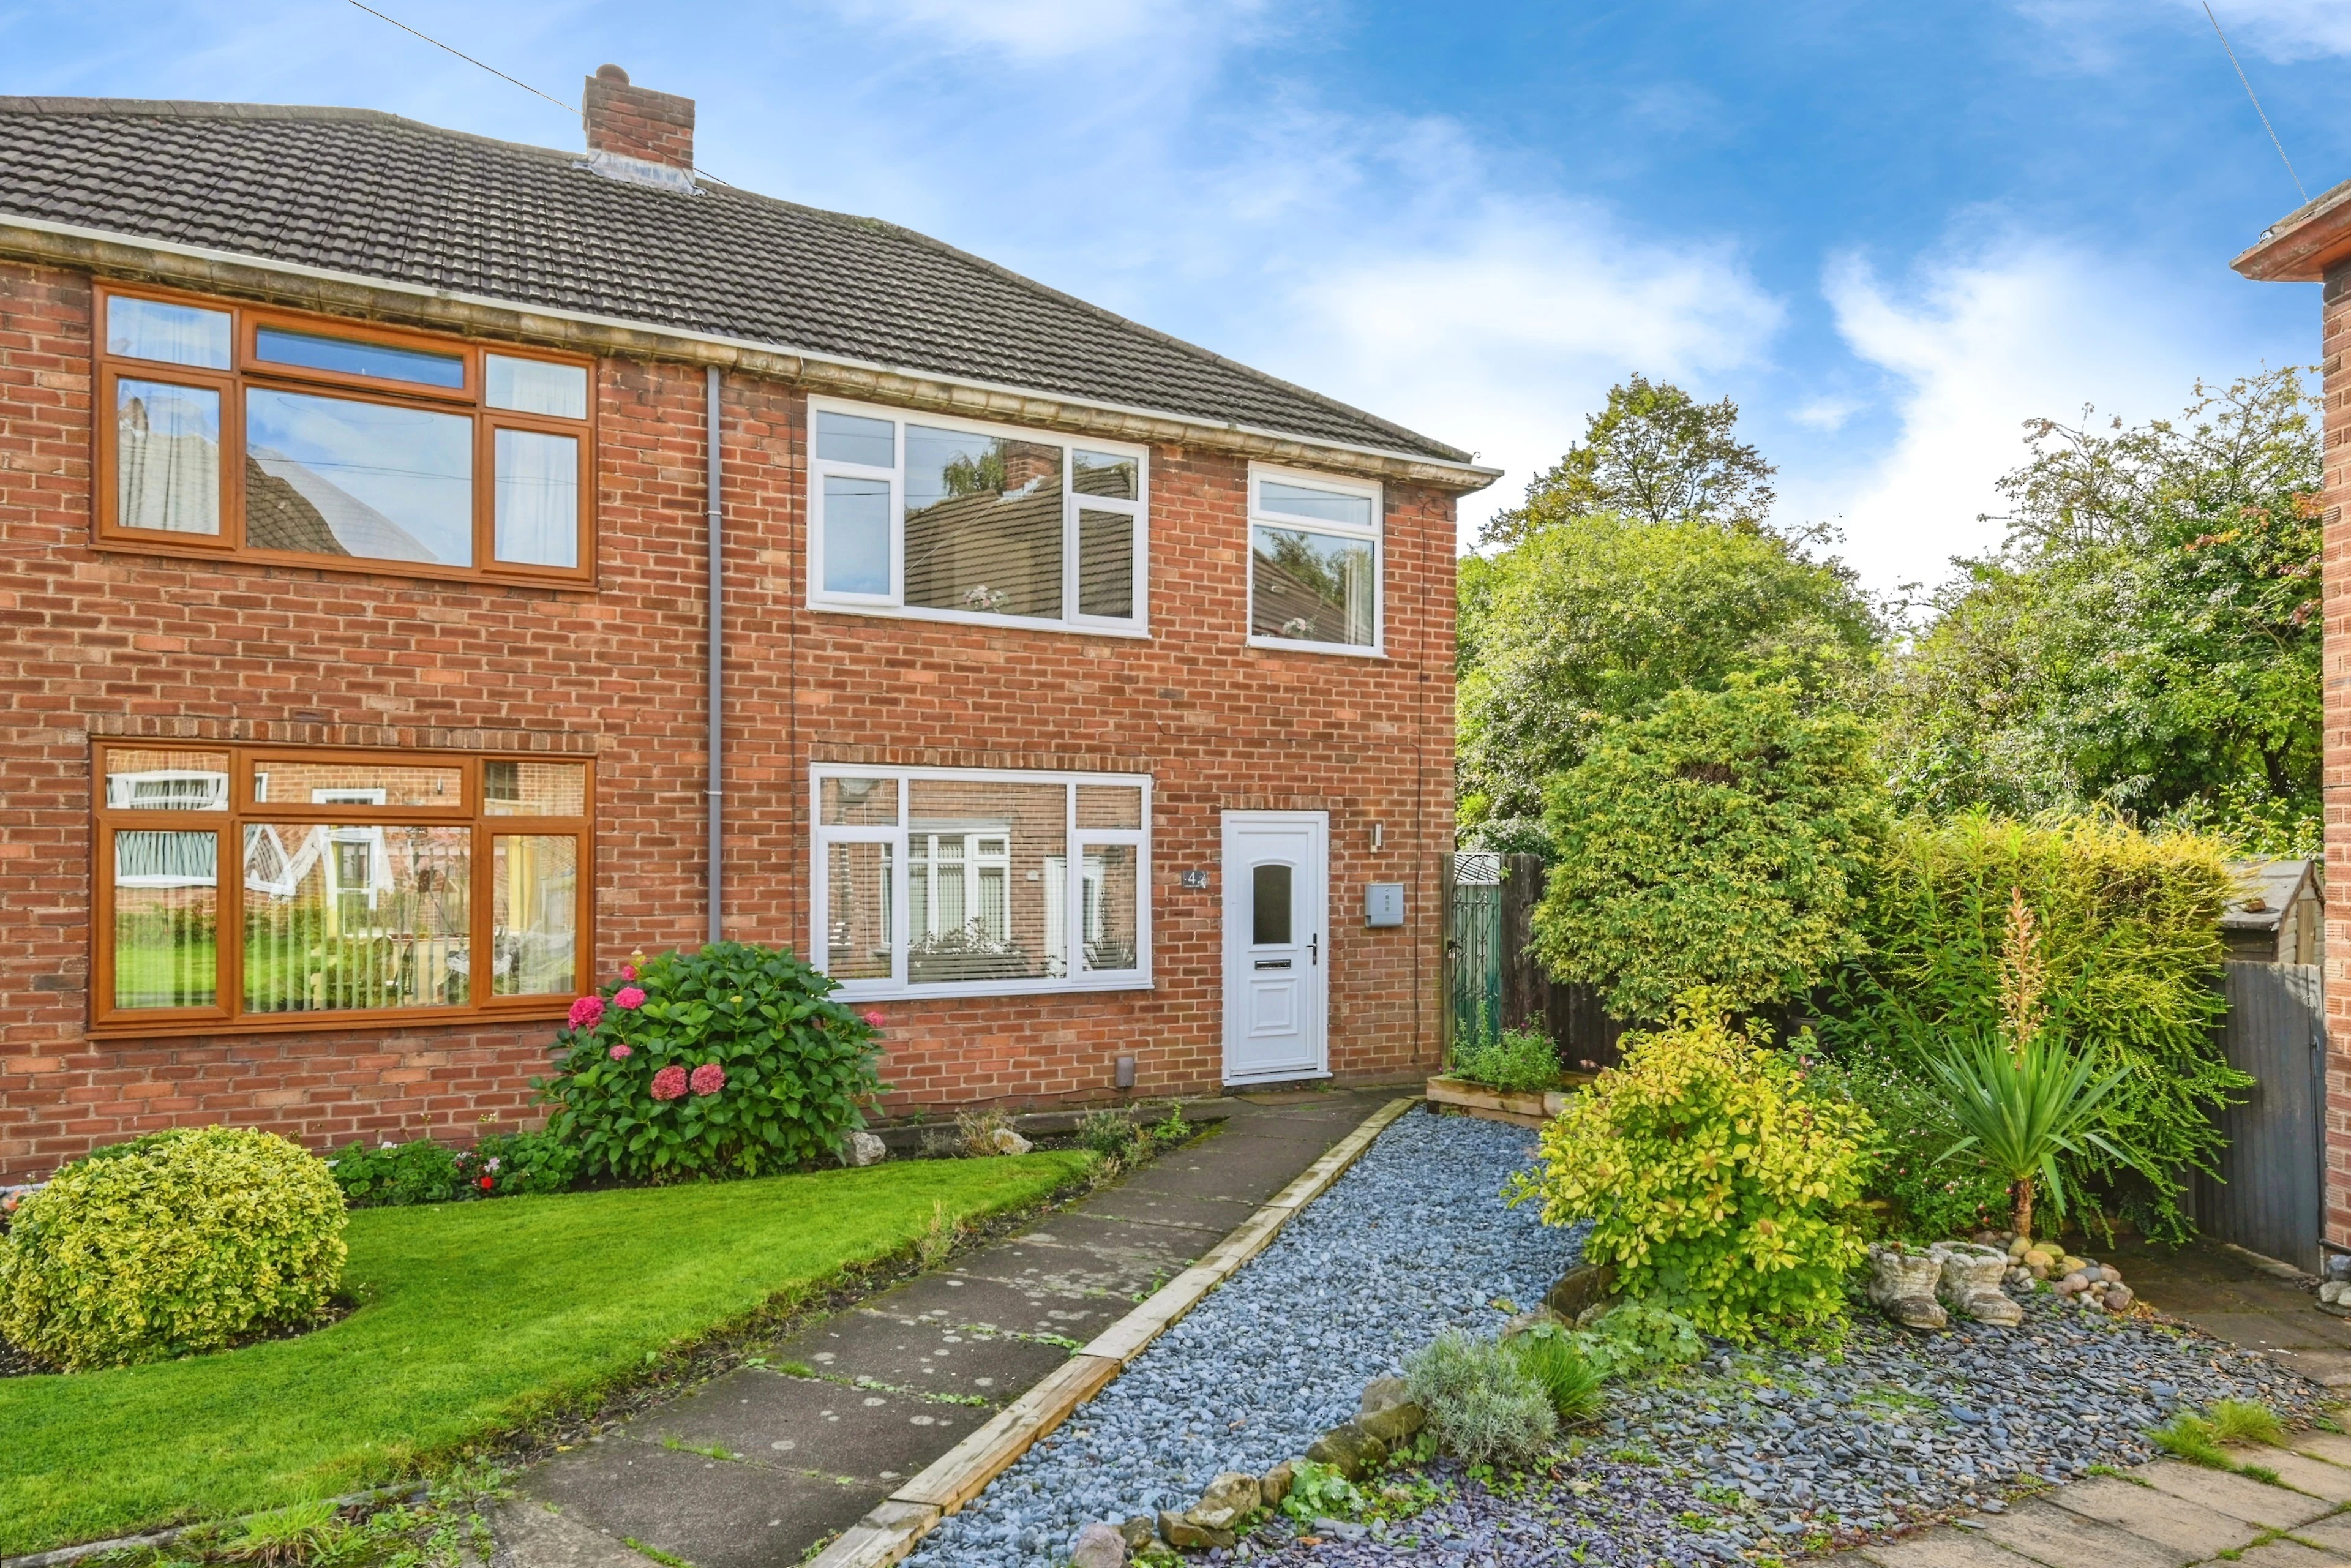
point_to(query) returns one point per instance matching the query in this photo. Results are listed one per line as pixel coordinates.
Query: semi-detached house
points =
(438, 567)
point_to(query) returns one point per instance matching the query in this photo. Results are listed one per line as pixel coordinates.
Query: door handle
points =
(1314, 947)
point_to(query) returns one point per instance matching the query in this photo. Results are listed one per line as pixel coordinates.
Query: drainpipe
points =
(717, 665)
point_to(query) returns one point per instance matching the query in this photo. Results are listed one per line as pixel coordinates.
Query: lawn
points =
(473, 1316)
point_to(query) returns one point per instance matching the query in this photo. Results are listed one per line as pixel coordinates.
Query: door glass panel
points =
(535, 386)
(1106, 564)
(983, 523)
(166, 901)
(1310, 587)
(328, 782)
(1108, 806)
(1112, 890)
(536, 489)
(356, 357)
(988, 881)
(175, 334)
(350, 917)
(534, 903)
(1269, 905)
(166, 457)
(516, 788)
(329, 475)
(859, 802)
(143, 780)
(856, 535)
(857, 911)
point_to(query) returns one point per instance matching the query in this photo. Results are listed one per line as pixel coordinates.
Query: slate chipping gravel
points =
(1748, 1453)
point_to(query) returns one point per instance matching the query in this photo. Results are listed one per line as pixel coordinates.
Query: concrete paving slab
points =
(2239, 1497)
(2317, 1477)
(1242, 1181)
(994, 1305)
(2060, 1539)
(2267, 1331)
(2330, 1534)
(1109, 1238)
(531, 1533)
(709, 1512)
(800, 1424)
(1942, 1549)
(1068, 1271)
(2332, 1447)
(927, 1357)
(1215, 1215)
(2158, 1516)
(2289, 1554)
(2327, 1368)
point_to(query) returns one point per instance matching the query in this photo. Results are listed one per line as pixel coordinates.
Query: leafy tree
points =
(1722, 842)
(1654, 453)
(2148, 638)
(1599, 617)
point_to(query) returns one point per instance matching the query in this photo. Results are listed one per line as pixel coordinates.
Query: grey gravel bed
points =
(1748, 1452)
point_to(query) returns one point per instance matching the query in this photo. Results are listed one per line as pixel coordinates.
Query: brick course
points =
(118, 643)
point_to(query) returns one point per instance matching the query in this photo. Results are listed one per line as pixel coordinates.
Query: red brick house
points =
(1082, 698)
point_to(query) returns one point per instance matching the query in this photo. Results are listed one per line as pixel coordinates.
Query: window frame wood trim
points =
(107, 1021)
(248, 370)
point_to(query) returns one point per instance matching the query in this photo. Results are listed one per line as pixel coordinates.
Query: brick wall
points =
(124, 644)
(2335, 343)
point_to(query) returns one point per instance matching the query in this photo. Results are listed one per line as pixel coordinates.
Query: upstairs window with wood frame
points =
(234, 429)
(258, 887)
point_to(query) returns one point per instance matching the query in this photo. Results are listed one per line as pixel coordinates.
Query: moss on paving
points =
(473, 1318)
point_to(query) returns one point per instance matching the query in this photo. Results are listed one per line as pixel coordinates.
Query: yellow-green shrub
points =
(179, 1241)
(1718, 1181)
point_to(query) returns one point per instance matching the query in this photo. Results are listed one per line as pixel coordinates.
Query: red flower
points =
(490, 1182)
(587, 1012)
(620, 1053)
(874, 1017)
(668, 1083)
(628, 996)
(628, 971)
(709, 1078)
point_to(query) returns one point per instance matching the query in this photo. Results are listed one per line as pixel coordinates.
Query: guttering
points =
(187, 265)
(715, 701)
(2304, 245)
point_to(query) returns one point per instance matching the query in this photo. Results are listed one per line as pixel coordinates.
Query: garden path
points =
(753, 1469)
(2247, 1301)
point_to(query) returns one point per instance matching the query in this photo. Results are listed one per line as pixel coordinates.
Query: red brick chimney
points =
(636, 121)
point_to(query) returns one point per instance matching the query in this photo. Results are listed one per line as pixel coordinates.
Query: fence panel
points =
(2269, 1198)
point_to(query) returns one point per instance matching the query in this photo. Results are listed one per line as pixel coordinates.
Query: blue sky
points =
(1891, 231)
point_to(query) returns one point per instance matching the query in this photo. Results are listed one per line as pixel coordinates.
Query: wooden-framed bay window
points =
(237, 430)
(267, 887)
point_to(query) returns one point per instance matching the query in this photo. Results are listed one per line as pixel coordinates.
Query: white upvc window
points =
(953, 883)
(1316, 562)
(947, 519)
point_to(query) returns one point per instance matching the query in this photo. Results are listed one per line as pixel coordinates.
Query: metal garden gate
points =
(1473, 949)
(2269, 1200)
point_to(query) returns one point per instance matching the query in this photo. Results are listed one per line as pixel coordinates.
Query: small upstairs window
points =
(256, 433)
(921, 516)
(1315, 565)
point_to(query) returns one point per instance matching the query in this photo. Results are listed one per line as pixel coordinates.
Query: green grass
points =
(473, 1318)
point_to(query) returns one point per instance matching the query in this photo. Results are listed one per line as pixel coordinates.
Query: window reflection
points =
(336, 476)
(984, 523)
(166, 457)
(1311, 587)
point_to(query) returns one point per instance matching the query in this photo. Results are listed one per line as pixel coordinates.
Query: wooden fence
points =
(1492, 979)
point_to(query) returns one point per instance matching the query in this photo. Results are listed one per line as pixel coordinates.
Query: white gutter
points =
(1477, 475)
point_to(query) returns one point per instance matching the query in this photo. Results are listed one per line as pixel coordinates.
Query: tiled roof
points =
(361, 191)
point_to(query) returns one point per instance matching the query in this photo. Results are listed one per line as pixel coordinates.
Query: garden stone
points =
(1274, 1485)
(1004, 1141)
(865, 1149)
(1232, 1494)
(1582, 1286)
(1970, 1283)
(1181, 1532)
(1394, 1423)
(1382, 1394)
(2118, 1297)
(1099, 1545)
(1902, 1285)
(1348, 1449)
(1140, 1532)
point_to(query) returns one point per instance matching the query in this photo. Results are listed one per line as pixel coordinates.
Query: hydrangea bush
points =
(733, 1060)
(1720, 1181)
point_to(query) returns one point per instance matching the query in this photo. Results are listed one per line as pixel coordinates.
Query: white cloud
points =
(1971, 350)
(1828, 413)
(2283, 29)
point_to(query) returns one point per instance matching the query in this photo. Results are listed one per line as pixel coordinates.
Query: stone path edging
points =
(893, 1529)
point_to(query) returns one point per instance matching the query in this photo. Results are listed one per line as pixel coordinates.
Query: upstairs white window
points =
(1315, 564)
(947, 520)
(932, 882)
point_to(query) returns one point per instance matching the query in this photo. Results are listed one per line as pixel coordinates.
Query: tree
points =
(1598, 617)
(2149, 636)
(1722, 842)
(1654, 454)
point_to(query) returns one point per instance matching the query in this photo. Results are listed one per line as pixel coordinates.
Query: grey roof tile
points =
(362, 191)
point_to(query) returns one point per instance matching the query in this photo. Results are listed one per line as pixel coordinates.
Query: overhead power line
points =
(2249, 93)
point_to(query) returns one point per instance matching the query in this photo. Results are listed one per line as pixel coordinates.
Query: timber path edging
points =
(894, 1528)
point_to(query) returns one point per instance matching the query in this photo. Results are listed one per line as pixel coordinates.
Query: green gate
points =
(1473, 949)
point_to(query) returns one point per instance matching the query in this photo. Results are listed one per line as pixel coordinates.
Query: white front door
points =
(1277, 945)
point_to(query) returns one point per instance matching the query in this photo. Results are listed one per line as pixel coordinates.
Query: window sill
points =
(535, 1011)
(350, 566)
(972, 618)
(888, 990)
(1343, 650)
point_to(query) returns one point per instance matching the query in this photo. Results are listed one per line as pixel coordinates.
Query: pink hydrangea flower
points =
(629, 996)
(628, 971)
(709, 1078)
(873, 1016)
(620, 1053)
(668, 1083)
(587, 1012)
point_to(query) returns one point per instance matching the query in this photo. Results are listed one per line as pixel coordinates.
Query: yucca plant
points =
(2024, 1100)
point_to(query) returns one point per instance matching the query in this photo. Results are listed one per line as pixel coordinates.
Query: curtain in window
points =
(537, 499)
(166, 457)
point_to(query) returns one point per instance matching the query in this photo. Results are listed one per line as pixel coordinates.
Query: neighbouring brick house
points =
(1078, 687)
(2312, 245)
